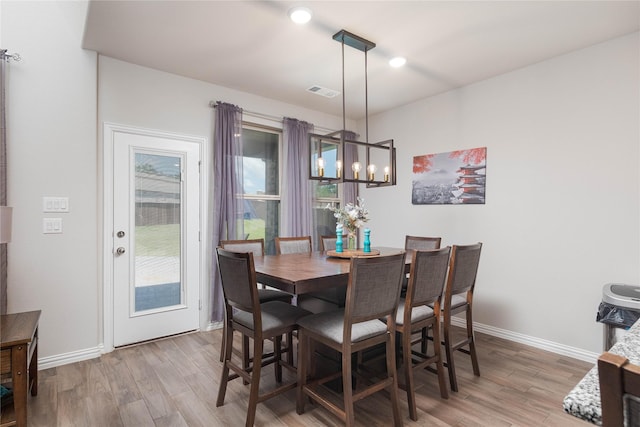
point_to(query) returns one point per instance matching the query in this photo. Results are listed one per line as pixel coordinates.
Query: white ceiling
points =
(252, 46)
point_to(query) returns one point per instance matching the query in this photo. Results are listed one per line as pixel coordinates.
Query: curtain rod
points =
(277, 119)
(6, 56)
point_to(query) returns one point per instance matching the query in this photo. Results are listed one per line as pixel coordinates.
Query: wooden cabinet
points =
(19, 363)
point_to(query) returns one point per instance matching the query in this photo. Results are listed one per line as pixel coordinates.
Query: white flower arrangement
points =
(351, 216)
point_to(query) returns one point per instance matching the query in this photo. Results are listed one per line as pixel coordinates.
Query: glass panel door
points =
(157, 231)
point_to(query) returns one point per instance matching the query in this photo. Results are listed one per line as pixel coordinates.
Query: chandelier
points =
(334, 158)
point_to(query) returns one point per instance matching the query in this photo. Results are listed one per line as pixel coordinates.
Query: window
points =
(261, 183)
(261, 169)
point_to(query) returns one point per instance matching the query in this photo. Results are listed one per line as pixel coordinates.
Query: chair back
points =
(293, 245)
(255, 246)
(418, 243)
(238, 276)
(619, 390)
(328, 243)
(374, 288)
(427, 277)
(463, 268)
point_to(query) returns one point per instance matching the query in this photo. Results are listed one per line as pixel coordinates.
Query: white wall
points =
(51, 126)
(561, 217)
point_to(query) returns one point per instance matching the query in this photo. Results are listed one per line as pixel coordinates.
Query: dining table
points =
(302, 273)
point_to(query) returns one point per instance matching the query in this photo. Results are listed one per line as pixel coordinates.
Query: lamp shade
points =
(5, 224)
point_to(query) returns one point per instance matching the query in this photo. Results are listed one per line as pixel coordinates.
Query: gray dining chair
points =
(373, 292)
(328, 243)
(260, 321)
(458, 298)
(293, 245)
(256, 247)
(422, 243)
(426, 285)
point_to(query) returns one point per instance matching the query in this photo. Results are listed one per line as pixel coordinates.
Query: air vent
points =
(323, 91)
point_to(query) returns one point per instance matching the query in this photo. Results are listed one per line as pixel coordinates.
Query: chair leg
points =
(347, 390)
(224, 378)
(450, 363)
(289, 344)
(303, 358)
(391, 371)
(437, 348)
(246, 357)
(423, 342)
(408, 373)
(223, 341)
(277, 356)
(255, 380)
(472, 344)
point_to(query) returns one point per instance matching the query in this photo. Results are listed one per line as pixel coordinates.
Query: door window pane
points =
(157, 231)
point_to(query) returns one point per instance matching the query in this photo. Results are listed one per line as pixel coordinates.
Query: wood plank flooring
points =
(174, 382)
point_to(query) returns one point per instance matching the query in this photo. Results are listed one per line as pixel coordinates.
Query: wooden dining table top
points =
(307, 272)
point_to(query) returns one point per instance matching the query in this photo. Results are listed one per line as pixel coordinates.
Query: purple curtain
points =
(297, 201)
(3, 181)
(227, 191)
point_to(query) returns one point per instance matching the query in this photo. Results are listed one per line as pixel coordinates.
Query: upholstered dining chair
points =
(259, 321)
(328, 243)
(293, 245)
(255, 246)
(458, 298)
(373, 292)
(422, 243)
(426, 285)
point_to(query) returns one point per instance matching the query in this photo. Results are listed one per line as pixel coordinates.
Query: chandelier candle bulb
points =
(386, 174)
(338, 168)
(356, 170)
(372, 172)
(320, 166)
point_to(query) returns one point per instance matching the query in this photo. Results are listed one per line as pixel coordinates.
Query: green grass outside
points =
(164, 240)
(254, 228)
(158, 240)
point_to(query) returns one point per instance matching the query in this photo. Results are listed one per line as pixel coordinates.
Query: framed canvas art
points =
(456, 177)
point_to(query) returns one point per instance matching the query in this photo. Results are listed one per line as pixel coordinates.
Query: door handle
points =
(120, 251)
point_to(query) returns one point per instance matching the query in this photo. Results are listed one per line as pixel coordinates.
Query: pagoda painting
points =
(456, 177)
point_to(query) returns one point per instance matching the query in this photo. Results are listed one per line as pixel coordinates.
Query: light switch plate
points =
(55, 204)
(52, 225)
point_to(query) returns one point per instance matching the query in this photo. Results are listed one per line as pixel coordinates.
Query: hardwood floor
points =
(174, 382)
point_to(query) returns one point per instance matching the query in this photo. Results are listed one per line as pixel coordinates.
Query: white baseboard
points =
(66, 358)
(213, 326)
(576, 353)
(554, 347)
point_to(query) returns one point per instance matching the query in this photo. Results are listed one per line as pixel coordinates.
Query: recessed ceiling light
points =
(398, 61)
(300, 15)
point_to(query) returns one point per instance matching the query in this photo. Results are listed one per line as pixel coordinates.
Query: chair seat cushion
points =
(276, 315)
(458, 300)
(331, 326)
(420, 312)
(267, 295)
